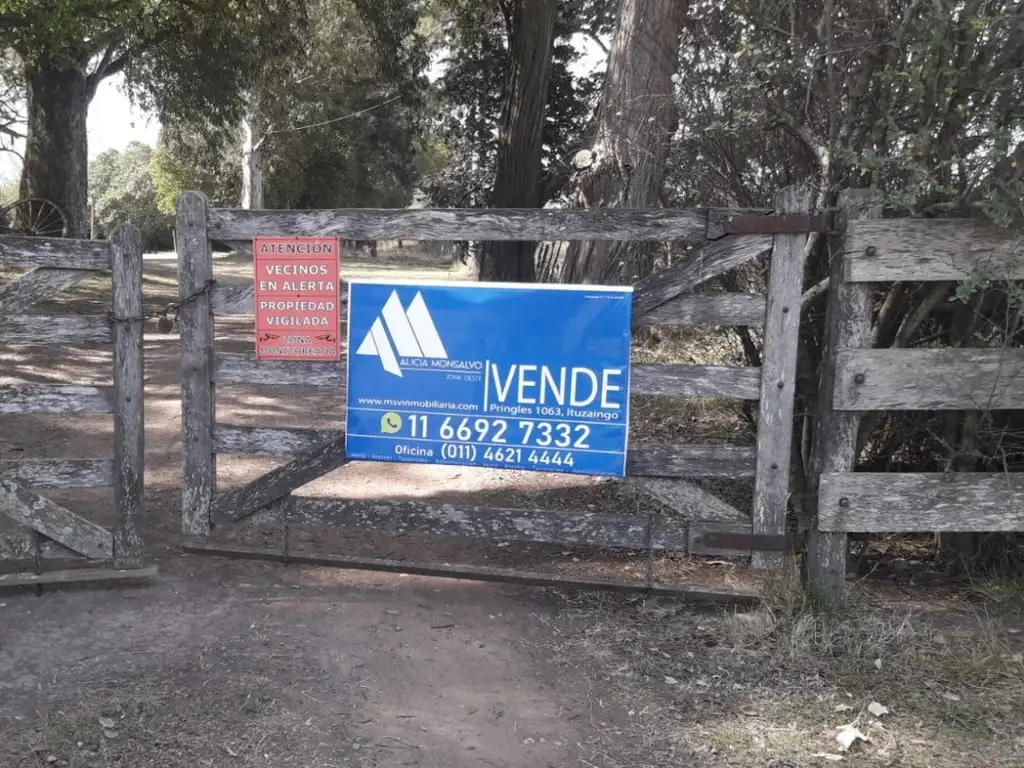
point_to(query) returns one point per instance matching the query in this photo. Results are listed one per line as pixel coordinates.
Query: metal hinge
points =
(782, 224)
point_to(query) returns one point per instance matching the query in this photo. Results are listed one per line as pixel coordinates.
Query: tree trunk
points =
(56, 164)
(518, 174)
(252, 163)
(626, 166)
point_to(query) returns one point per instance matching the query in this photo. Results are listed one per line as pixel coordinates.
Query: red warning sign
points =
(297, 287)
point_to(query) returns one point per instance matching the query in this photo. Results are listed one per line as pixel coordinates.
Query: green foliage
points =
(123, 192)
(199, 158)
(178, 58)
(338, 121)
(923, 105)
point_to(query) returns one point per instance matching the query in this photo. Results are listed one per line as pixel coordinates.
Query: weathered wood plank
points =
(778, 366)
(931, 250)
(55, 398)
(36, 285)
(911, 502)
(81, 575)
(243, 501)
(469, 224)
(689, 460)
(238, 300)
(42, 330)
(195, 271)
(689, 500)
(234, 299)
(53, 252)
(713, 259)
(129, 429)
(270, 441)
(929, 379)
(59, 473)
(21, 545)
(708, 309)
(708, 381)
(834, 447)
(586, 529)
(644, 459)
(244, 368)
(54, 521)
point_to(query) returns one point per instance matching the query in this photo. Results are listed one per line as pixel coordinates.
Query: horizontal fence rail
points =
(643, 459)
(912, 502)
(660, 380)
(58, 253)
(55, 398)
(38, 330)
(690, 310)
(60, 473)
(929, 379)
(493, 224)
(930, 250)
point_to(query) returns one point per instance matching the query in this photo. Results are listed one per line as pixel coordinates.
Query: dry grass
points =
(775, 687)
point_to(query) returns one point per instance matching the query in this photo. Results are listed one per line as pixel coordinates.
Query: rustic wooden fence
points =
(726, 239)
(47, 531)
(862, 380)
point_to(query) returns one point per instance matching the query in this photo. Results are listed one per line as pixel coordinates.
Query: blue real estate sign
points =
(489, 374)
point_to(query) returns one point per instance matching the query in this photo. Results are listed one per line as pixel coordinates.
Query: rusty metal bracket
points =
(758, 542)
(784, 224)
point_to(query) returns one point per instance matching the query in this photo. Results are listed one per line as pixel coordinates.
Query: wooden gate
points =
(705, 524)
(43, 529)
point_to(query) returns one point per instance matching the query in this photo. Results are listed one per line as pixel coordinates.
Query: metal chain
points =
(173, 307)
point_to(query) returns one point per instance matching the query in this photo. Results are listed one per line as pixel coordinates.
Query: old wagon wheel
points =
(35, 216)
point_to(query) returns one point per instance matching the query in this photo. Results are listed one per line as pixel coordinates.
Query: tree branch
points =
(596, 40)
(14, 20)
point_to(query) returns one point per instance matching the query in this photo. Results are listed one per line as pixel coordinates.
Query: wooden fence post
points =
(129, 415)
(195, 278)
(778, 378)
(834, 449)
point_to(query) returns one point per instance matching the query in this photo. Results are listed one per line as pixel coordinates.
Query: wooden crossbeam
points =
(713, 259)
(55, 252)
(54, 521)
(689, 500)
(239, 503)
(36, 285)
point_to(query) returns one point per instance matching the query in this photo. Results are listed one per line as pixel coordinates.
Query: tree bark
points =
(626, 166)
(519, 173)
(56, 166)
(252, 161)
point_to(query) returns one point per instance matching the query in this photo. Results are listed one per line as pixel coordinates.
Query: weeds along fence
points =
(703, 524)
(40, 530)
(862, 382)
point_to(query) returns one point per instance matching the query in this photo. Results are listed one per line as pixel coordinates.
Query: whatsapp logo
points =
(390, 424)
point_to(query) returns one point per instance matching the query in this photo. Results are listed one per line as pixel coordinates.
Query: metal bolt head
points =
(870, 252)
(844, 502)
(858, 378)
